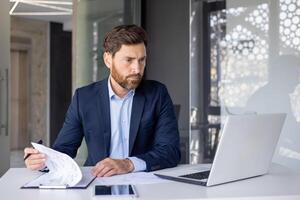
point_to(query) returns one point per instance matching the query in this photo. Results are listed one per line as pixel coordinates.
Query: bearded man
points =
(128, 123)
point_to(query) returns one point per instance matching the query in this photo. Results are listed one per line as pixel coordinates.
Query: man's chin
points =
(133, 84)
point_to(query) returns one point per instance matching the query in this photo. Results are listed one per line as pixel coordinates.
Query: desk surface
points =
(280, 183)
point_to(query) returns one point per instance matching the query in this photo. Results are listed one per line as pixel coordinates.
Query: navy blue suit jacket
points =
(153, 135)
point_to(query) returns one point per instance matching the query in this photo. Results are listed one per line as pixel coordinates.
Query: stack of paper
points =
(63, 171)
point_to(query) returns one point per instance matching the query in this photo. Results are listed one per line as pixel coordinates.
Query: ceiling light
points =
(56, 6)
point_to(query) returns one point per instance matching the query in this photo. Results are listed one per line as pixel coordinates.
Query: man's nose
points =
(136, 67)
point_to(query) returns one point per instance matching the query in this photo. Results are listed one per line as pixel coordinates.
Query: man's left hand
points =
(110, 167)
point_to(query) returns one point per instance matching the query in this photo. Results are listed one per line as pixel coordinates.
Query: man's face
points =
(127, 65)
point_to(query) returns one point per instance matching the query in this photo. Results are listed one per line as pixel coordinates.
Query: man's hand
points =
(110, 167)
(36, 160)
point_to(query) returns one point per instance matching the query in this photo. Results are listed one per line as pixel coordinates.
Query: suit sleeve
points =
(165, 152)
(70, 136)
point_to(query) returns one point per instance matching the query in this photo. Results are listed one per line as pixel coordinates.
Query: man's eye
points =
(128, 60)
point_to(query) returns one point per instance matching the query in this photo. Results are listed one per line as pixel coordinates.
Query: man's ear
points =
(107, 58)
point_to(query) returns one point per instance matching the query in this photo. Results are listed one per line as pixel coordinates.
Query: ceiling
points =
(46, 10)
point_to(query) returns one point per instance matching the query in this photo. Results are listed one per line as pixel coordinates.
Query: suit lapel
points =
(104, 114)
(136, 114)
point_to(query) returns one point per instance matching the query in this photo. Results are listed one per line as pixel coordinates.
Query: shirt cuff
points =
(139, 164)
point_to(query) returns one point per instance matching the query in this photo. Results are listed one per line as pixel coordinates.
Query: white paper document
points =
(63, 171)
(131, 178)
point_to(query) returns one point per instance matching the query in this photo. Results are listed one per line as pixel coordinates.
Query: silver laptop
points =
(245, 150)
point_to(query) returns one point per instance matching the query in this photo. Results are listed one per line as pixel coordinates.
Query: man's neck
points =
(118, 89)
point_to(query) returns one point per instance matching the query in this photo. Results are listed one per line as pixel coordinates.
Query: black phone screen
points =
(112, 190)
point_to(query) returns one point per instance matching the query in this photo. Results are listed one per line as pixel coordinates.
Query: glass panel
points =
(243, 57)
(93, 19)
(253, 67)
(266, 52)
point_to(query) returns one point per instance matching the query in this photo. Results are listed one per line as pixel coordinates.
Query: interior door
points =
(19, 137)
(4, 66)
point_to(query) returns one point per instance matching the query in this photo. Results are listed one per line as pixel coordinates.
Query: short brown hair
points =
(124, 34)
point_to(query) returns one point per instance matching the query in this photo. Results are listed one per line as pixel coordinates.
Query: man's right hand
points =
(36, 161)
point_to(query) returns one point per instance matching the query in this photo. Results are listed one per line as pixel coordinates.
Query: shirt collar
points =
(112, 94)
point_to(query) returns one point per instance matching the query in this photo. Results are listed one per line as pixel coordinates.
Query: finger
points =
(37, 156)
(107, 162)
(119, 166)
(110, 173)
(36, 161)
(115, 164)
(34, 165)
(104, 171)
(30, 151)
(96, 170)
(37, 167)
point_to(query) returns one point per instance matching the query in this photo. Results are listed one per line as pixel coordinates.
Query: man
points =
(128, 123)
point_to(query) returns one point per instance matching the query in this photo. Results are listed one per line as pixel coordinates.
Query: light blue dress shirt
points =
(120, 113)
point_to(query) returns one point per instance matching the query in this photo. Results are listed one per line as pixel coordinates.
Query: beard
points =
(129, 82)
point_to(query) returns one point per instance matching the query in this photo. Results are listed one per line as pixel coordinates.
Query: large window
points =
(248, 62)
(92, 20)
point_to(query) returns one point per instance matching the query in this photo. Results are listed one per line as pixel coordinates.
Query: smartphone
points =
(116, 191)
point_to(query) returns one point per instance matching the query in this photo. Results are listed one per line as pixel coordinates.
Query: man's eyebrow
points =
(129, 57)
(142, 58)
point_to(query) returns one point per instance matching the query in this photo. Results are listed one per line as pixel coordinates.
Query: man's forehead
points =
(132, 50)
(133, 46)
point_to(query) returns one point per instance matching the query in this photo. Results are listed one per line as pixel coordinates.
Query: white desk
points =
(280, 183)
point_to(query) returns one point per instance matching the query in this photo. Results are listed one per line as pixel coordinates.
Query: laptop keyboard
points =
(198, 175)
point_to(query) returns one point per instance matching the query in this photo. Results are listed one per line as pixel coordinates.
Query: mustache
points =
(134, 76)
